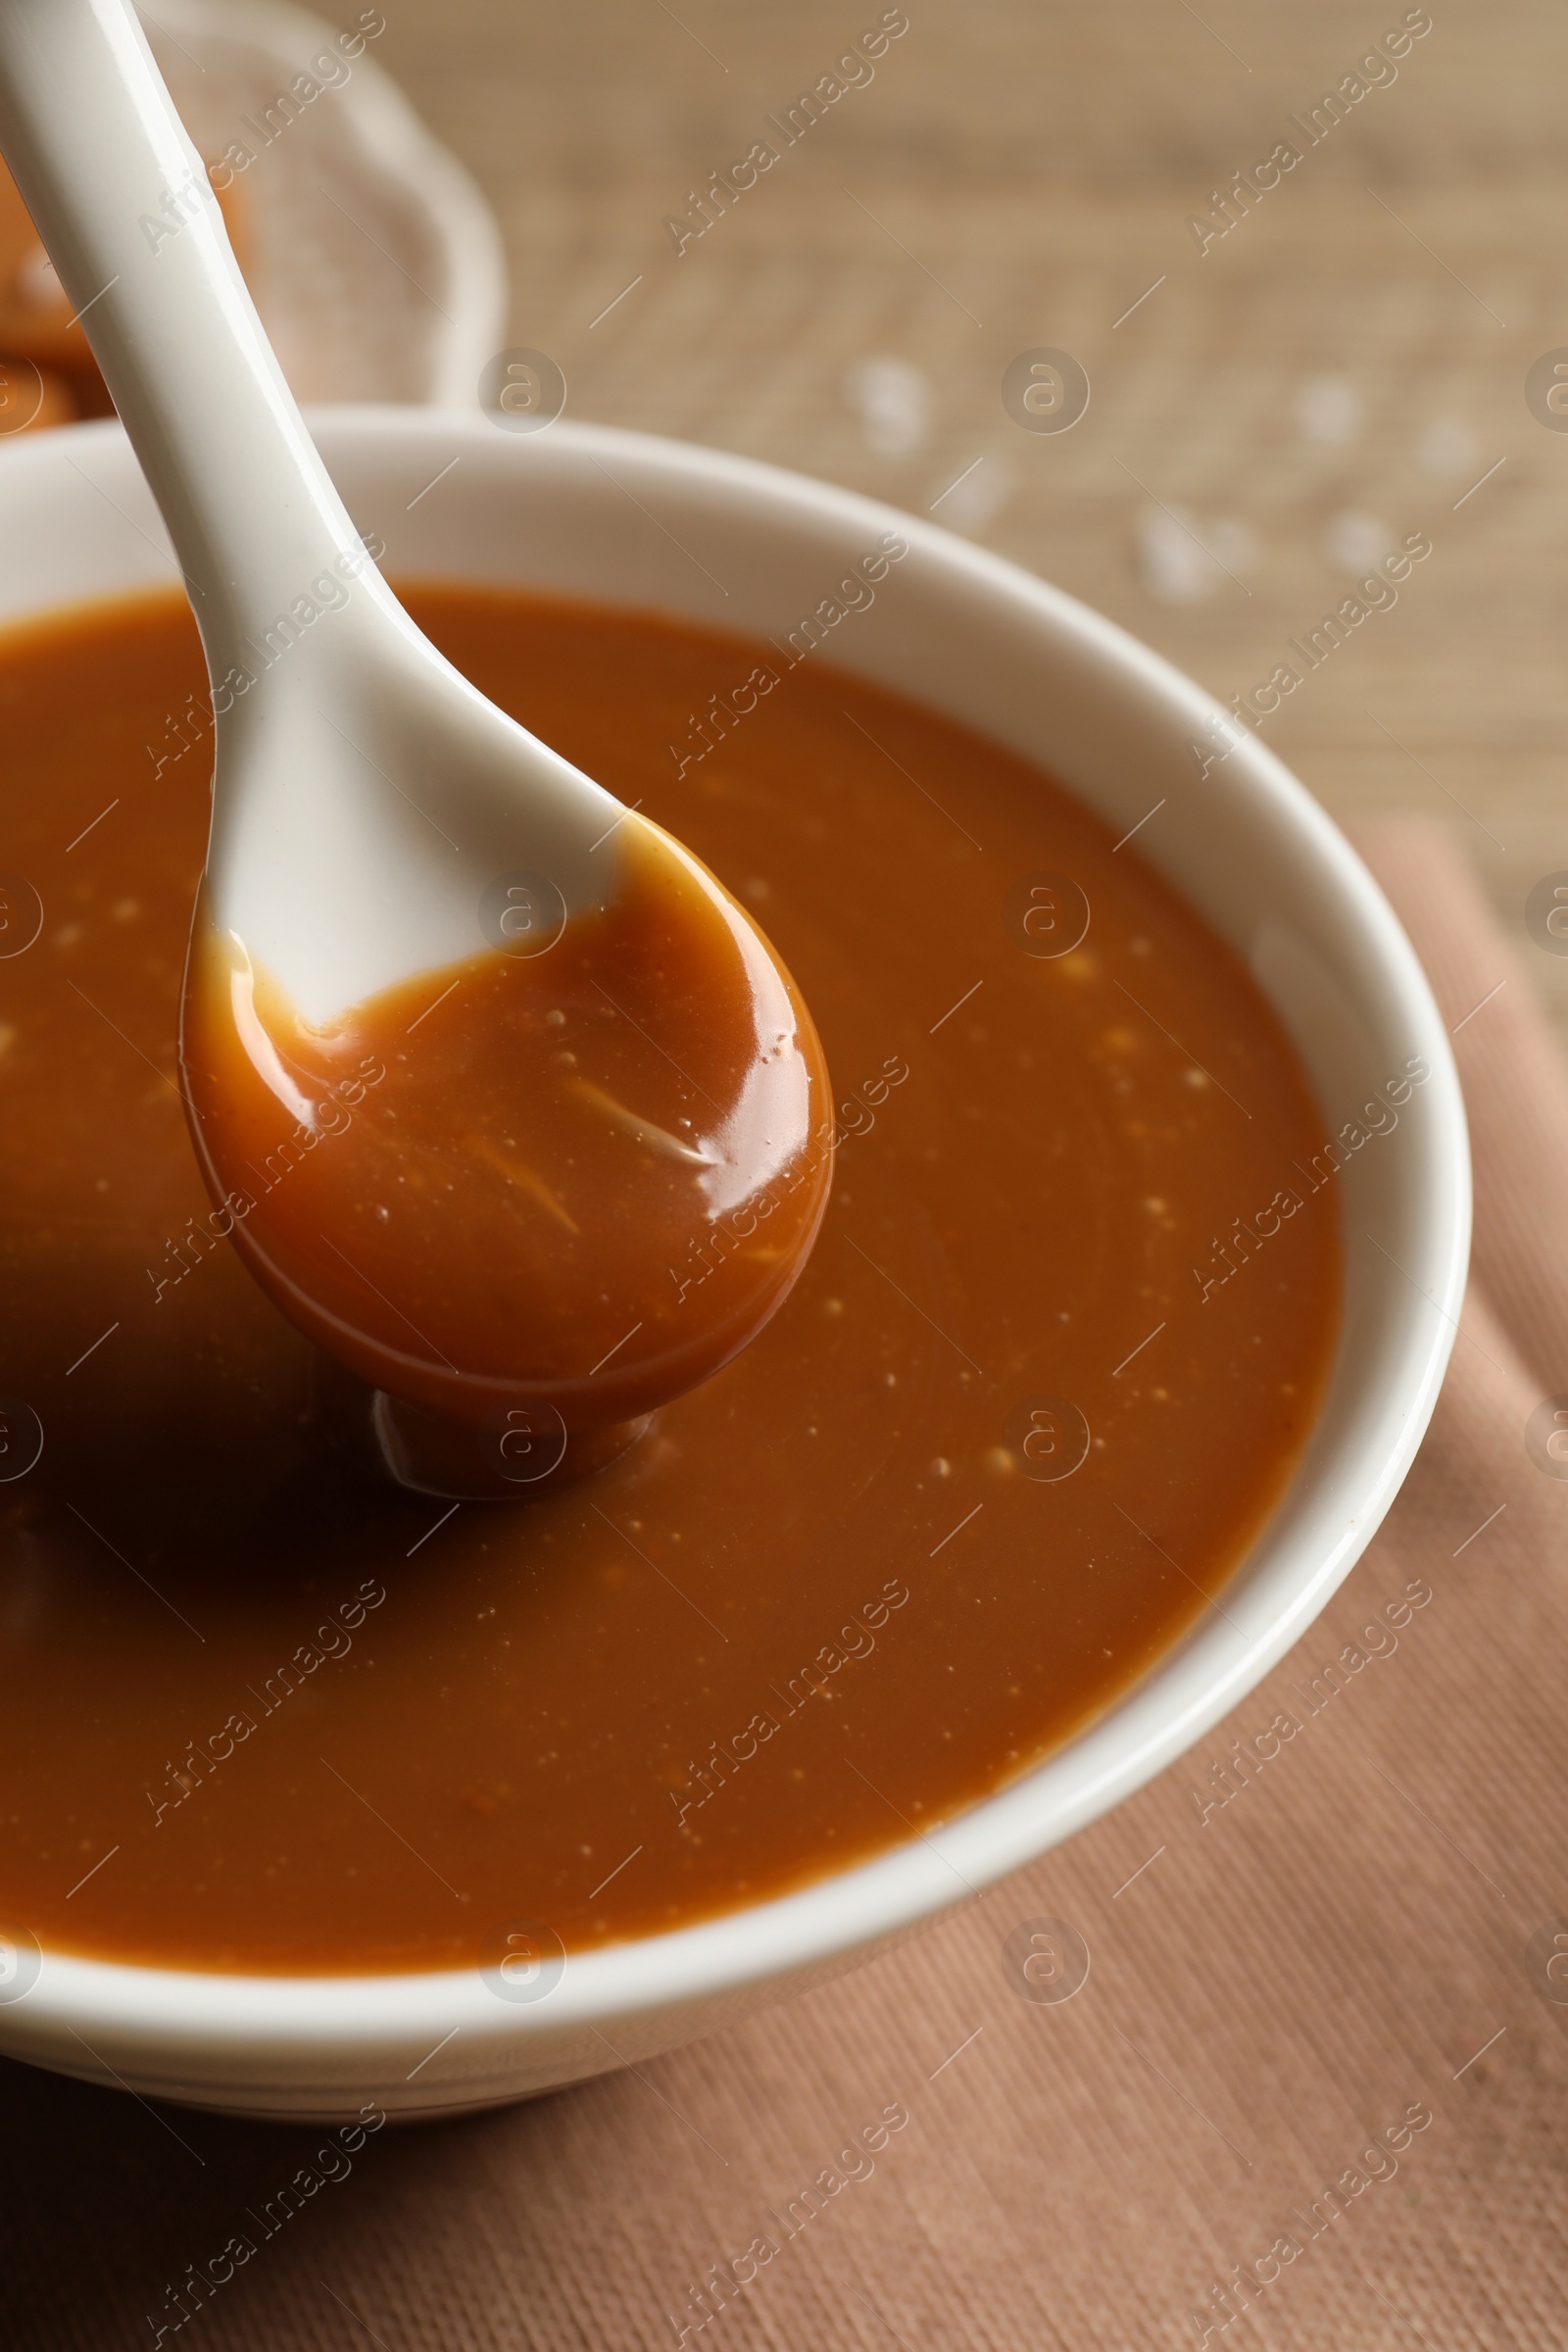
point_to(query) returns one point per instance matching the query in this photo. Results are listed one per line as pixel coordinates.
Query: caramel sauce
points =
(260, 1709)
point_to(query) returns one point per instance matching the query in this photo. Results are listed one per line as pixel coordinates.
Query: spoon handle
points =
(123, 203)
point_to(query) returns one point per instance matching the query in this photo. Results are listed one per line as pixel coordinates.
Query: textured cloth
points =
(1310, 2093)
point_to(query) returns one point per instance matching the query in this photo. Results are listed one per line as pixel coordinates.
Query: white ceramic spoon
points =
(366, 796)
(376, 819)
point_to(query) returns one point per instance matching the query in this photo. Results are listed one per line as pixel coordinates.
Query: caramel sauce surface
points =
(984, 1464)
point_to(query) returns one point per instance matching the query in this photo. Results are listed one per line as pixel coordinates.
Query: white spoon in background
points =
(370, 809)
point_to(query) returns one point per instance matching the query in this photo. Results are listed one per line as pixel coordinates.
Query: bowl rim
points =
(833, 1920)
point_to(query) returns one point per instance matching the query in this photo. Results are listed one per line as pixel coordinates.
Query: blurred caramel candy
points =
(32, 395)
(37, 322)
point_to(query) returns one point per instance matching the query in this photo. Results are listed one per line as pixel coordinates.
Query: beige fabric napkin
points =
(1310, 2094)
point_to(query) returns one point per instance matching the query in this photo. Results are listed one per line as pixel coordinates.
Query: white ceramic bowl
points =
(652, 523)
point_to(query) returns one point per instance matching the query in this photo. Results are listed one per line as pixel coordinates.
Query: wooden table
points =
(1346, 366)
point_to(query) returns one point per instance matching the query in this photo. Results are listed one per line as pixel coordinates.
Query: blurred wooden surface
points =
(1340, 370)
